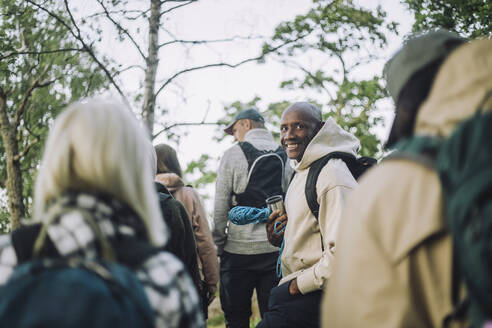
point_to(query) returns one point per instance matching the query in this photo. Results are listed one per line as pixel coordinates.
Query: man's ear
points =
(248, 124)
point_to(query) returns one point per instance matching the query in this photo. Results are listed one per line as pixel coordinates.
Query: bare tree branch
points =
(176, 7)
(87, 48)
(16, 53)
(169, 80)
(306, 71)
(142, 14)
(169, 127)
(121, 11)
(92, 54)
(234, 38)
(122, 29)
(129, 68)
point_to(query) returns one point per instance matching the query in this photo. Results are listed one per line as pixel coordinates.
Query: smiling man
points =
(309, 242)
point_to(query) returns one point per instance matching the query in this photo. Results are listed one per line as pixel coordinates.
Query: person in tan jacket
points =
(309, 242)
(169, 174)
(395, 263)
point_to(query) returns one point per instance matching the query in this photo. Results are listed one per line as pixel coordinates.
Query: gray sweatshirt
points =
(232, 177)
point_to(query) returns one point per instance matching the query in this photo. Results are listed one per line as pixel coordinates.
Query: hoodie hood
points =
(463, 83)
(172, 181)
(331, 137)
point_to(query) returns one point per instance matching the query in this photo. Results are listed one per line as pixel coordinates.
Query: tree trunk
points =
(152, 61)
(14, 174)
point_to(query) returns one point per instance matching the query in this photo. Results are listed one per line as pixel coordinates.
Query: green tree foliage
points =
(41, 71)
(470, 18)
(342, 37)
(205, 175)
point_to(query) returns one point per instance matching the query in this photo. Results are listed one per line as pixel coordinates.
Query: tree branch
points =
(314, 77)
(34, 85)
(122, 29)
(169, 80)
(169, 127)
(234, 38)
(92, 54)
(85, 46)
(176, 7)
(15, 53)
(122, 11)
(129, 68)
(26, 149)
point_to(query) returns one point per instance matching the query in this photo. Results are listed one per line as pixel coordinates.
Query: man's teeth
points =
(292, 146)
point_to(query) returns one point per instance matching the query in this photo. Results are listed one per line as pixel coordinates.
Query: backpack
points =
(357, 167)
(51, 291)
(265, 175)
(463, 163)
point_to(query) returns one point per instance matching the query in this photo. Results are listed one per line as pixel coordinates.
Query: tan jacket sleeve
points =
(206, 248)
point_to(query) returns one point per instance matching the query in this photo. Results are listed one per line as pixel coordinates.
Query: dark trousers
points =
(239, 276)
(294, 311)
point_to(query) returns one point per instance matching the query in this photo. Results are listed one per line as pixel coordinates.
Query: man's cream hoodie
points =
(302, 256)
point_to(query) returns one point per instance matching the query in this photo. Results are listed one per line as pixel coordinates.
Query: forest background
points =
(187, 67)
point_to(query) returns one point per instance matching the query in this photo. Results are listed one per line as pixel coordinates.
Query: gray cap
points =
(250, 113)
(415, 54)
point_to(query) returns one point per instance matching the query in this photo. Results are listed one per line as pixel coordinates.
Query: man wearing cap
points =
(247, 259)
(394, 256)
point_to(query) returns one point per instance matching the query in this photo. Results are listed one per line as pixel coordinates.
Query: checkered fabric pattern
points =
(168, 287)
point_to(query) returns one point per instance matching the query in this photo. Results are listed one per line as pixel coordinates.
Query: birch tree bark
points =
(152, 61)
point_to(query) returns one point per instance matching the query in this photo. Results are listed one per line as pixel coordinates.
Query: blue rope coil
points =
(242, 215)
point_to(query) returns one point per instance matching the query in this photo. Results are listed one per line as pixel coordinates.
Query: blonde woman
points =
(96, 164)
(170, 175)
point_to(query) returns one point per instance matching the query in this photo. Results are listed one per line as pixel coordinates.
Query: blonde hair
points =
(98, 146)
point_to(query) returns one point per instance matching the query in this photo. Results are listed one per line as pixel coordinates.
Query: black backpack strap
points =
(310, 188)
(133, 252)
(23, 240)
(314, 171)
(250, 152)
(281, 152)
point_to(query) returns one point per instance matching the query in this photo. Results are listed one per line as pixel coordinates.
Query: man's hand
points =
(274, 228)
(211, 294)
(293, 288)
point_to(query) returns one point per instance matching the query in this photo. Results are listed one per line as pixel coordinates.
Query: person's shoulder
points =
(233, 158)
(396, 175)
(189, 192)
(232, 152)
(400, 202)
(336, 173)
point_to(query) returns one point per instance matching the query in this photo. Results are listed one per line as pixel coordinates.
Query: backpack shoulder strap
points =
(281, 152)
(250, 152)
(23, 240)
(312, 178)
